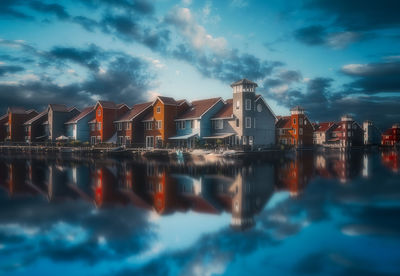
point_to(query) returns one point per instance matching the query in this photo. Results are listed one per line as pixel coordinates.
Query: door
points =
(149, 141)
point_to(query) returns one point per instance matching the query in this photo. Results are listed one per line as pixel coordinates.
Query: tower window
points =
(237, 104)
(248, 104)
(248, 122)
(237, 123)
(294, 121)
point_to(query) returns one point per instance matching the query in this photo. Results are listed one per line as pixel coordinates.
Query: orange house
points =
(159, 124)
(295, 130)
(15, 126)
(102, 127)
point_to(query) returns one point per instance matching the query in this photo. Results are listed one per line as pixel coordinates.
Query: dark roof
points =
(81, 115)
(148, 117)
(179, 102)
(59, 107)
(17, 110)
(226, 111)
(284, 122)
(243, 81)
(198, 108)
(4, 116)
(37, 117)
(167, 100)
(135, 111)
(322, 127)
(110, 105)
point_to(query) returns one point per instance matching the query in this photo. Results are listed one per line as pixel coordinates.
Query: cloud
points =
(6, 69)
(8, 9)
(55, 9)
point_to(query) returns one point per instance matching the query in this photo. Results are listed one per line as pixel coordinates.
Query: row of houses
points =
(244, 120)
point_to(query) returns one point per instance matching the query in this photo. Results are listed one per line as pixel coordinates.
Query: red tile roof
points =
(81, 115)
(284, 122)
(337, 127)
(226, 111)
(322, 127)
(135, 111)
(198, 108)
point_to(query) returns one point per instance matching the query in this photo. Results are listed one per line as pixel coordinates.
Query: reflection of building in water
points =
(343, 165)
(294, 174)
(391, 160)
(57, 185)
(250, 191)
(37, 175)
(16, 177)
(79, 180)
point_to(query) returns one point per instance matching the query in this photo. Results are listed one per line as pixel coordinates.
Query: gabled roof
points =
(86, 111)
(4, 117)
(284, 122)
(37, 117)
(323, 127)
(180, 102)
(110, 105)
(166, 100)
(226, 111)
(59, 107)
(337, 127)
(198, 108)
(136, 110)
(17, 110)
(243, 81)
(260, 97)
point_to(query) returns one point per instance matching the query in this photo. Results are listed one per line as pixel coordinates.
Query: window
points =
(218, 124)
(92, 127)
(348, 125)
(259, 107)
(248, 122)
(248, 104)
(237, 123)
(349, 133)
(158, 109)
(148, 125)
(254, 122)
(128, 126)
(294, 121)
(99, 126)
(294, 131)
(300, 131)
(99, 112)
(192, 124)
(119, 126)
(305, 122)
(301, 121)
(158, 124)
(183, 124)
(237, 104)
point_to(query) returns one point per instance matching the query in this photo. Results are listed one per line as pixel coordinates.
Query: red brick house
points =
(102, 127)
(347, 133)
(295, 130)
(15, 125)
(159, 125)
(130, 128)
(3, 128)
(391, 136)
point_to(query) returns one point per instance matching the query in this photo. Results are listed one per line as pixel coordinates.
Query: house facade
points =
(102, 127)
(195, 123)
(57, 116)
(323, 132)
(78, 127)
(223, 125)
(372, 135)
(347, 133)
(295, 130)
(159, 125)
(36, 129)
(130, 128)
(391, 136)
(15, 125)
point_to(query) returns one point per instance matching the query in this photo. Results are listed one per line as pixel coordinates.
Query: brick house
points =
(323, 132)
(391, 136)
(15, 125)
(295, 130)
(130, 128)
(347, 133)
(102, 127)
(36, 129)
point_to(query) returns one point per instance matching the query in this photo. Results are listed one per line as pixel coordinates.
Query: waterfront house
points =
(15, 125)
(3, 128)
(102, 128)
(37, 128)
(223, 125)
(77, 128)
(391, 136)
(323, 132)
(295, 130)
(347, 133)
(194, 124)
(372, 135)
(57, 115)
(159, 125)
(130, 129)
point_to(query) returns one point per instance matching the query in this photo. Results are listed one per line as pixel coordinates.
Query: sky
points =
(332, 57)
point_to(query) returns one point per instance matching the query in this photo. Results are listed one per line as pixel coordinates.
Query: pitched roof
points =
(337, 127)
(148, 117)
(284, 122)
(167, 100)
(243, 81)
(179, 102)
(86, 111)
(322, 127)
(226, 111)
(37, 117)
(17, 110)
(59, 107)
(136, 110)
(198, 108)
(4, 116)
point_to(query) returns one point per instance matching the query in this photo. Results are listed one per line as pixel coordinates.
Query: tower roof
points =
(243, 81)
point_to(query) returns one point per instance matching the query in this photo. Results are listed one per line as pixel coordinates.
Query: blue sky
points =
(331, 57)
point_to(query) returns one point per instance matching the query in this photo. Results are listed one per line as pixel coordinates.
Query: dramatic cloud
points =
(55, 9)
(6, 69)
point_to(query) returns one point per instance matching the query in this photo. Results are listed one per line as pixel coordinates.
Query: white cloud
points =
(355, 68)
(153, 94)
(280, 89)
(342, 39)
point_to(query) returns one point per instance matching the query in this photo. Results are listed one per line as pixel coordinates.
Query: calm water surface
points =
(300, 214)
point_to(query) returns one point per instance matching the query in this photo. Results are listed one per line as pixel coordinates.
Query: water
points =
(305, 214)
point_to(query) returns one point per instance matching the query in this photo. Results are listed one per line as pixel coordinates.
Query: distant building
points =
(15, 125)
(78, 128)
(391, 136)
(323, 132)
(37, 128)
(102, 127)
(3, 128)
(295, 130)
(57, 115)
(372, 135)
(347, 133)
